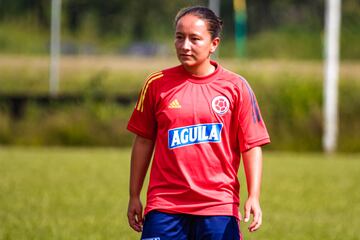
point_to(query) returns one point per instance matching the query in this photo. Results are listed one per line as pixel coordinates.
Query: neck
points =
(204, 69)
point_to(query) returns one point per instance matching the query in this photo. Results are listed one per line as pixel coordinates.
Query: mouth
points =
(186, 55)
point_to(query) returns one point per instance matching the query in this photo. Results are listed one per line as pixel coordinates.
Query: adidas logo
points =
(175, 104)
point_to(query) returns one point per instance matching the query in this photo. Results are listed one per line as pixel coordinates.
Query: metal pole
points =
(55, 47)
(331, 74)
(214, 5)
(240, 27)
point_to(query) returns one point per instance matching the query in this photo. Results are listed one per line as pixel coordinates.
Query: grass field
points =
(81, 193)
(124, 75)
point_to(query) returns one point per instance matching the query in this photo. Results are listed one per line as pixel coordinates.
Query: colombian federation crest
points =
(220, 104)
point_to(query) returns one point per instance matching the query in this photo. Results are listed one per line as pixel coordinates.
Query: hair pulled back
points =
(214, 23)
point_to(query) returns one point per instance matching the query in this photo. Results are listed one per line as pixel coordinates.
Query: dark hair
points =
(214, 23)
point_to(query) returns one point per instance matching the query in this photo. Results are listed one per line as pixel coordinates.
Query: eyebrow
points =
(191, 34)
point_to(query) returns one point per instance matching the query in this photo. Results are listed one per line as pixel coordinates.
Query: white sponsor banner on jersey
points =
(194, 134)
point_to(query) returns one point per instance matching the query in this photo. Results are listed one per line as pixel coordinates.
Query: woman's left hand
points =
(252, 206)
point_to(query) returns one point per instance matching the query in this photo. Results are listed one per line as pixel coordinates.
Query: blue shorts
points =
(165, 226)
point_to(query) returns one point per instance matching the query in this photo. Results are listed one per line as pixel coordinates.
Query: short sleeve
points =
(252, 131)
(142, 121)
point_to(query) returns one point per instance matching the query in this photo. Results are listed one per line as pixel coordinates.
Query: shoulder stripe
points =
(144, 93)
(146, 82)
(143, 88)
(255, 109)
(152, 77)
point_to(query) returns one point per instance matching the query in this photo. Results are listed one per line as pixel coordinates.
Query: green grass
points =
(22, 37)
(82, 193)
(63, 194)
(126, 75)
(289, 94)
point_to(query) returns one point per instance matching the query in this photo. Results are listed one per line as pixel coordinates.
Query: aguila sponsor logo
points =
(194, 134)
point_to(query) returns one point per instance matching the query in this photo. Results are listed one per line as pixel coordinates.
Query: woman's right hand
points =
(135, 214)
(140, 160)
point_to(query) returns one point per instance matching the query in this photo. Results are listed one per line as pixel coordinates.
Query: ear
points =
(214, 44)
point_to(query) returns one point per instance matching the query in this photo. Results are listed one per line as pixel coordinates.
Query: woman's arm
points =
(253, 170)
(140, 160)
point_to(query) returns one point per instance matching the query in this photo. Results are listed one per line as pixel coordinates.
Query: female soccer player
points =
(200, 118)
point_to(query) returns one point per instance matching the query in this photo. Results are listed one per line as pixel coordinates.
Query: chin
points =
(187, 63)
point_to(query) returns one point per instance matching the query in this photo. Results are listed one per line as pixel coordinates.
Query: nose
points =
(186, 44)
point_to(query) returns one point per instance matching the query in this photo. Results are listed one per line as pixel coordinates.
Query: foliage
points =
(82, 193)
(77, 125)
(291, 29)
(20, 38)
(292, 111)
(289, 94)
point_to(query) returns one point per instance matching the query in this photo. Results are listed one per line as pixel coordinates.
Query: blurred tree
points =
(136, 18)
(265, 14)
(141, 16)
(38, 9)
(144, 20)
(42, 11)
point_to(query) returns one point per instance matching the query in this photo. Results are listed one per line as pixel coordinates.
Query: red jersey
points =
(200, 126)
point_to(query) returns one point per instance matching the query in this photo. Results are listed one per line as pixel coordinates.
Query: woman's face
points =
(193, 41)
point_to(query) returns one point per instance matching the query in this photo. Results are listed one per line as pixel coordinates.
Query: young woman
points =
(200, 118)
